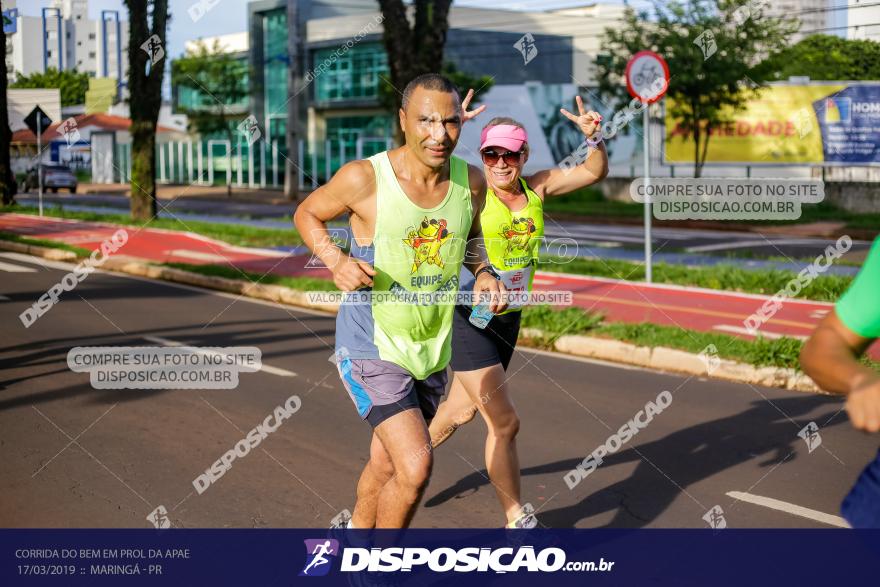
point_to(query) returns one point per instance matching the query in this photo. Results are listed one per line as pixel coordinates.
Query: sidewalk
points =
(621, 301)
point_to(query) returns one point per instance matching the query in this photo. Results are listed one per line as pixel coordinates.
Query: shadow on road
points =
(668, 466)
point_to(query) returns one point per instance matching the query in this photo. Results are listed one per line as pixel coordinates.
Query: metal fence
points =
(258, 165)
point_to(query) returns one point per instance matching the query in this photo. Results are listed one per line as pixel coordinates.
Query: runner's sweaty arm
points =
(350, 189)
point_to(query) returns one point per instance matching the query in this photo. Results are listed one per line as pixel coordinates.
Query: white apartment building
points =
(862, 20)
(815, 16)
(64, 37)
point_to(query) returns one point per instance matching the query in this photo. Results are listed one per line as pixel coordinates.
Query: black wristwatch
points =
(488, 269)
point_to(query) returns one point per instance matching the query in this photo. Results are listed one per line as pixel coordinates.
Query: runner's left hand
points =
(466, 114)
(486, 284)
(588, 122)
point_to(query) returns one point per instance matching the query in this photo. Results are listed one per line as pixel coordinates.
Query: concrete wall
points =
(854, 196)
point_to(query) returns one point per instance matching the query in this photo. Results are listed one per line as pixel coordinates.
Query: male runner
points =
(414, 212)
(831, 358)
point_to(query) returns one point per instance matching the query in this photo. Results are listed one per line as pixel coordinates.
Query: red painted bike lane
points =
(618, 300)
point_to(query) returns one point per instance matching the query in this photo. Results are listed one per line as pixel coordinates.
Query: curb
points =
(616, 351)
(677, 361)
(44, 252)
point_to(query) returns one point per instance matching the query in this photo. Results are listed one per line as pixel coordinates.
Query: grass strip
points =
(825, 288)
(590, 202)
(760, 352)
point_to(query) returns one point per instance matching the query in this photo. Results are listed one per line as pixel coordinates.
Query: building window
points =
(275, 62)
(91, 36)
(374, 130)
(91, 54)
(351, 74)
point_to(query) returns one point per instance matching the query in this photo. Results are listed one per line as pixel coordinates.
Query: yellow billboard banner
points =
(779, 125)
(101, 94)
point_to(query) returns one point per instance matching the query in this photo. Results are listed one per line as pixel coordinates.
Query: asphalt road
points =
(74, 456)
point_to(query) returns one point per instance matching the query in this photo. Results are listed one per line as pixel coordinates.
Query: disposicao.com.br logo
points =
(443, 559)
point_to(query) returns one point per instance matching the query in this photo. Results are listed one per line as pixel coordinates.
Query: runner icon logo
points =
(319, 556)
(715, 518)
(810, 434)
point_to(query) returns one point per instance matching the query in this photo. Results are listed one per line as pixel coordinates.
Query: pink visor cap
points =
(506, 136)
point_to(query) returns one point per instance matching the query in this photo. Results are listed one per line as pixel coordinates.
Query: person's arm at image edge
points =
(831, 355)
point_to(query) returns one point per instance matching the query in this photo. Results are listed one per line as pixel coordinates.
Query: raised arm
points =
(571, 176)
(353, 183)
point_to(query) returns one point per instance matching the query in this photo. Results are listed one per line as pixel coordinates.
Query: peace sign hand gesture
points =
(588, 122)
(468, 115)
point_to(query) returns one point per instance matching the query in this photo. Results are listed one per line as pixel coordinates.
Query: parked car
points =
(54, 177)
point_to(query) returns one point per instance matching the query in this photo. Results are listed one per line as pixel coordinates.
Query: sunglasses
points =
(491, 157)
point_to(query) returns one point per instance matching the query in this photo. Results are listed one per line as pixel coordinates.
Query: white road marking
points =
(10, 268)
(790, 508)
(819, 313)
(197, 255)
(764, 333)
(267, 368)
(753, 243)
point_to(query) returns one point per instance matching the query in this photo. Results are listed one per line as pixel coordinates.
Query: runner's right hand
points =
(350, 274)
(863, 405)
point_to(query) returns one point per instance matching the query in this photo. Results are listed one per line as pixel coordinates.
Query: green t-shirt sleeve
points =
(859, 306)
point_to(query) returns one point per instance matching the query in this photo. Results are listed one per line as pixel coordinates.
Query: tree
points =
(7, 180)
(220, 81)
(826, 57)
(462, 80)
(73, 84)
(713, 48)
(413, 49)
(145, 72)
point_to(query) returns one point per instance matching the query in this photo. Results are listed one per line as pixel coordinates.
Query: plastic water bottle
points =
(481, 315)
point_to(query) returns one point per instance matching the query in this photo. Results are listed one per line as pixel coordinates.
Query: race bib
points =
(517, 282)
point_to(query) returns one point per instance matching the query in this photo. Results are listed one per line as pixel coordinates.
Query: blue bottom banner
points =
(437, 557)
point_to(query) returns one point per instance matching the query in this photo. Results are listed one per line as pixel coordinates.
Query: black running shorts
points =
(474, 348)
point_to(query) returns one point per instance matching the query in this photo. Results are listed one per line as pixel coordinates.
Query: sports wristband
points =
(490, 270)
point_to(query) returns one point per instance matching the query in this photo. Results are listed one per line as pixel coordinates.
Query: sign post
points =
(38, 121)
(647, 79)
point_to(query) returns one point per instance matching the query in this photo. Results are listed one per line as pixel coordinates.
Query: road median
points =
(659, 358)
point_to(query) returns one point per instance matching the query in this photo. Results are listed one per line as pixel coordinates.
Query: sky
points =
(227, 16)
(230, 16)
